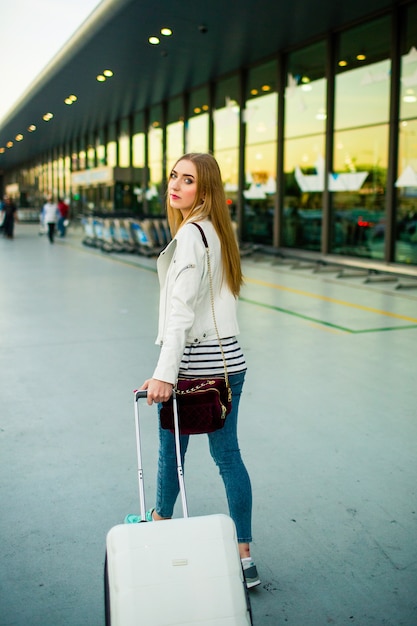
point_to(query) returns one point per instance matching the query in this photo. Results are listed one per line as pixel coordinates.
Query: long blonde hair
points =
(214, 208)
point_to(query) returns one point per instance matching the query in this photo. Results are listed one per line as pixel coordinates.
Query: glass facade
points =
(124, 144)
(406, 182)
(358, 182)
(197, 124)
(175, 131)
(260, 119)
(317, 146)
(156, 187)
(304, 147)
(226, 133)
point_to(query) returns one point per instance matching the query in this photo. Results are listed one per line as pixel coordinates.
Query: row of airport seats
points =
(147, 236)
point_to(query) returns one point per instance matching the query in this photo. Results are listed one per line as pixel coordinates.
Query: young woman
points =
(188, 339)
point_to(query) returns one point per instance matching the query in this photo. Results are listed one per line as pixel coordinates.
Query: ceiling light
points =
(266, 87)
(108, 73)
(167, 32)
(253, 92)
(361, 56)
(342, 63)
(9, 144)
(47, 117)
(101, 78)
(154, 41)
(68, 101)
(19, 137)
(31, 128)
(2, 150)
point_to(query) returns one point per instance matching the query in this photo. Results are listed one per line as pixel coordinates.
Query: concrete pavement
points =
(328, 428)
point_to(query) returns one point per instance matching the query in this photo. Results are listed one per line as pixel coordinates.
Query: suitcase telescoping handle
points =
(142, 393)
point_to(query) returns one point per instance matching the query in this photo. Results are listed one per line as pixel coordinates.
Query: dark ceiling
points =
(209, 39)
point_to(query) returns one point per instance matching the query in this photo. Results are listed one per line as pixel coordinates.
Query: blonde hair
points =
(210, 203)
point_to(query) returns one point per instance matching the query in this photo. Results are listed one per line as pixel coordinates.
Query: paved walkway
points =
(328, 429)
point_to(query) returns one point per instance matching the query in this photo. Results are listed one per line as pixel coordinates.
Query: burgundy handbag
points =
(202, 403)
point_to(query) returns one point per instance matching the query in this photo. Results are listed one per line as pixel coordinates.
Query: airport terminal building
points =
(310, 110)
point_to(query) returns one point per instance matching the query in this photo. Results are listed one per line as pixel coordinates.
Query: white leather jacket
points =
(185, 311)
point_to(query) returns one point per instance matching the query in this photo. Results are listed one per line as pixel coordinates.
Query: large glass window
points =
(55, 189)
(82, 159)
(60, 177)
(155, 191)
(360, 158)
(406, 183)
(138, 157)
(111, 148)
(67, 176)
(226, 133)
(100, 148)
(197, 126)
(91, 156)
(138, 141)
(124, 143)
(260, 117)
(91, 151)
(304, 147)
(175, 131)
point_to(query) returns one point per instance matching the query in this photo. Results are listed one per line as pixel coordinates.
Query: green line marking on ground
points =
(322, 322)
(270, 306)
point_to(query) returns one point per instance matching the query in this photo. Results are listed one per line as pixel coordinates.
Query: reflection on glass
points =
(304, 147)
(82, 159)
(360, 157)
(111, 154)
(124, 151)
(138, 150)
(154, 193)
(197, 133)
(406, 183)
(226, 136)
(67, 176)
(197, 127)
(226, 141)
(101, 155)
(260, 118)
(175, 134)
(91, 157)
(175, 131)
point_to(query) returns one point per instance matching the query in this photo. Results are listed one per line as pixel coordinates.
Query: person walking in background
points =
(63, 216)
(9, 212)
(189, 345)
(50, 215)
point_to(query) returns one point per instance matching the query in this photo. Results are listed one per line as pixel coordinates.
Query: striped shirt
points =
(205, 359)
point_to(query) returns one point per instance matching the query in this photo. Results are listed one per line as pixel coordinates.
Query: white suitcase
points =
(176, 572)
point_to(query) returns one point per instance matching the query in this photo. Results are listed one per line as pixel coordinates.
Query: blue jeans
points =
(224, 448)
(61, 226)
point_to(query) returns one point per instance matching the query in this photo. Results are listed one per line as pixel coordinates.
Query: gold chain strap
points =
(226, 377)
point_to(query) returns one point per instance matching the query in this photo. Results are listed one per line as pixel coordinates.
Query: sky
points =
(32, 32)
